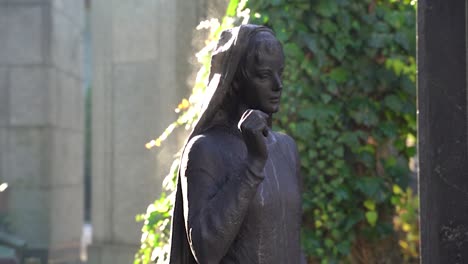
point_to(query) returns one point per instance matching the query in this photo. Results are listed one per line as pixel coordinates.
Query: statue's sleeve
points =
(214, 205)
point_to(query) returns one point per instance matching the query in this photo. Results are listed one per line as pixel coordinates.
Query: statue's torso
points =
(270, 232)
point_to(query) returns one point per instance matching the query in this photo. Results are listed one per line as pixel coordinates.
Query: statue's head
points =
(245, 72)
(258, 78)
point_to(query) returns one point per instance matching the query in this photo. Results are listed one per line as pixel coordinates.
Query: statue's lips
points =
(275, 99)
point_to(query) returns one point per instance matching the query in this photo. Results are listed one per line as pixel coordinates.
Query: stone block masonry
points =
(41, 122)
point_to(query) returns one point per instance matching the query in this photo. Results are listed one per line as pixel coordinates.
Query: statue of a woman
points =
(238, 194)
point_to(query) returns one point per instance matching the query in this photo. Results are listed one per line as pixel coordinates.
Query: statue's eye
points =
(264, 74)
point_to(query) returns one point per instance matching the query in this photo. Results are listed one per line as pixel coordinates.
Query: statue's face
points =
(262, 87)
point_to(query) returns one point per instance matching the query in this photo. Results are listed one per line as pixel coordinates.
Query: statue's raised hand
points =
(254, 127)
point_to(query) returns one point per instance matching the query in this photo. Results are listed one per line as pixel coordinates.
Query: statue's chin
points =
(272, 110)
(268, 109)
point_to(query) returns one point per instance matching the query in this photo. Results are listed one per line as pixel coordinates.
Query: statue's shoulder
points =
(201, 151)
(207, 143)
(201, 143)
(288, 145)
(286, 139)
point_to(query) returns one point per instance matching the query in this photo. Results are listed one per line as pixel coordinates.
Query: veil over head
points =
(225, 60)
(231, 48)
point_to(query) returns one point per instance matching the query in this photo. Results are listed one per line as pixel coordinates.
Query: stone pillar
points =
(41, 127)
(141, 69)
(442, 131)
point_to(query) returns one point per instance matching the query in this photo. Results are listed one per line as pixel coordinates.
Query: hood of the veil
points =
(225, 60)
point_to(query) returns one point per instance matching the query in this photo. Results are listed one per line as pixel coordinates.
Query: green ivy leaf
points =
(339, 75)
(371, 217)
(327, 8)
(344, 247)
(369, 186)
(394, 103)
(369, 204)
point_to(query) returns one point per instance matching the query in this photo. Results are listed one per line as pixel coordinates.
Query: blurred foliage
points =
(406, 222)
(349, 102)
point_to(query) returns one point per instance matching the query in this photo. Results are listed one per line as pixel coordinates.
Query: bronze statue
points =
(238, 194)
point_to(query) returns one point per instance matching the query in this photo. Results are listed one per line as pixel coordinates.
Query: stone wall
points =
(41, 126)
(141, 70)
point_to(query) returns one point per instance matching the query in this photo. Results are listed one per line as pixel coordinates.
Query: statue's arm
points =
(214, 209)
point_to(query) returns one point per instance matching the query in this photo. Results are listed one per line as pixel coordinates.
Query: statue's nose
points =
(278, 82)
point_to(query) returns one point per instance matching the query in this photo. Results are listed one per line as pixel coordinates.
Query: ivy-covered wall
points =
(349, 102)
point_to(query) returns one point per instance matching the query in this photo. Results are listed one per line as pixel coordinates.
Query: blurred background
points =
(84, 85)
(86, 88)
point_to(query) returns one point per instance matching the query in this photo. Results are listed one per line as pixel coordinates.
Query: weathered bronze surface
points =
(239, 189)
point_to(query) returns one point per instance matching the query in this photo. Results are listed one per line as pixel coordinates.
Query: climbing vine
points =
(349, 102)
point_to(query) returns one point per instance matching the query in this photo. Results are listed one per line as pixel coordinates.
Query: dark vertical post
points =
(442, 124)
